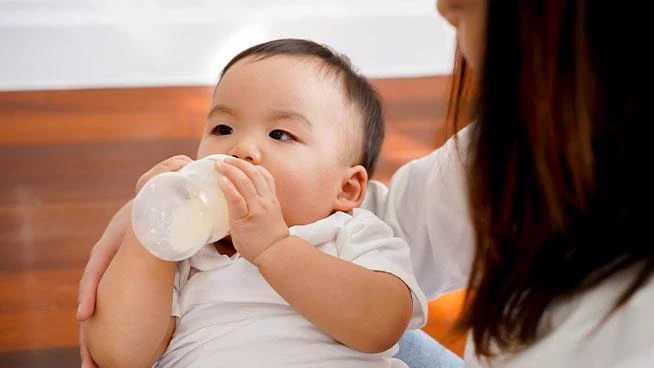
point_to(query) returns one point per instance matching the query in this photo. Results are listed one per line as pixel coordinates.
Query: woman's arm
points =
(132, 323)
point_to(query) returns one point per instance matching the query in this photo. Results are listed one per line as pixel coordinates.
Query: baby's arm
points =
(132, 323)
(364, 309)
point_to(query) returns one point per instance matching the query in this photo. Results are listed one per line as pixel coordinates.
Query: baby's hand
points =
(255, 216)
(174, 163)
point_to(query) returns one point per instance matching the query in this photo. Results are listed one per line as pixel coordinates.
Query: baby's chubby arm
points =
(132, 325)
(361, 308)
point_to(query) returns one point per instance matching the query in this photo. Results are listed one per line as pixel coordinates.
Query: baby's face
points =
(285, 114)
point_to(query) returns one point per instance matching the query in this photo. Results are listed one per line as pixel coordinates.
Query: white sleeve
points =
(639, 359)
(367, 241)
(427, 205)
(375, 199)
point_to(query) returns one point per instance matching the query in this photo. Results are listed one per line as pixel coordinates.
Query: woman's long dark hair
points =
(560, 195)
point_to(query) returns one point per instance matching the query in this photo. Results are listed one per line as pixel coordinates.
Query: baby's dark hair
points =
(357, 89)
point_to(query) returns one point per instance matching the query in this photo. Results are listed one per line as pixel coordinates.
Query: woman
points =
(557, 194)
(541, 204)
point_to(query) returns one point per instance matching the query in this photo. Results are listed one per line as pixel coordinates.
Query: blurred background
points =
(117, 43)
(94, 92)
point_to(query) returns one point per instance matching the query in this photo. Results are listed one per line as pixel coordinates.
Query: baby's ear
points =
(353, 189)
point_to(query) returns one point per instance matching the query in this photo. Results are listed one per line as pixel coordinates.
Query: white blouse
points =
(426, 204)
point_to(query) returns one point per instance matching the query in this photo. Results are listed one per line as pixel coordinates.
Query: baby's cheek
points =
(203, 149)
(296, 209)
(304, 198)
(292, 216)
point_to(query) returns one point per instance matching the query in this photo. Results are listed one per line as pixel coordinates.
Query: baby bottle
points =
(176, 213)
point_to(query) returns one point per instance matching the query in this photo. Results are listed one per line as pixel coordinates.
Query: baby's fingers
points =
(238, 178)
(254, 174)
(236, 204)
(174, 163)
(269, 180)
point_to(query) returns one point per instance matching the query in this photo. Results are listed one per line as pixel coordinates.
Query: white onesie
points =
(229, 316)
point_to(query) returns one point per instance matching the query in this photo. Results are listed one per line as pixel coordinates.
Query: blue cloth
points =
(419, 350)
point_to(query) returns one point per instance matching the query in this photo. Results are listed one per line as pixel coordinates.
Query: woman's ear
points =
(353, 189)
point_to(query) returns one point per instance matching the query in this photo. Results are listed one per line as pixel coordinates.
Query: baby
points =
(305, 278)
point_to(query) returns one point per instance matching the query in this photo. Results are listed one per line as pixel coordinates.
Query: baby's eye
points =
(222, 129)
(281, 135)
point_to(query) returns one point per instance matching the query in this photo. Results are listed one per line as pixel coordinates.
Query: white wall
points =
(104, 43)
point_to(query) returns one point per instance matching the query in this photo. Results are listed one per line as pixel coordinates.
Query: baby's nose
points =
(247, 151)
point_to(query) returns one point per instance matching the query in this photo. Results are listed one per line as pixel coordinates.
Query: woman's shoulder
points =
(582, 330)
(441, 170)
(453, 154)
(603, 334)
